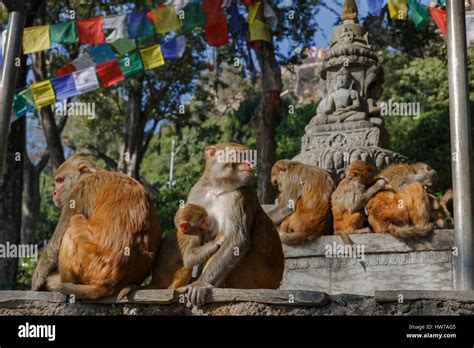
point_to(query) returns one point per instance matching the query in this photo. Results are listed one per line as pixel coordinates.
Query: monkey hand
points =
(197, 292)
(219, 239)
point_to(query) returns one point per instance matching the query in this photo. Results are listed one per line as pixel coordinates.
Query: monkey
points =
(405, 210)
(351, 195)
(185, 247)
(447, 202)
(303, 211)
(107, 235)
(251, 256)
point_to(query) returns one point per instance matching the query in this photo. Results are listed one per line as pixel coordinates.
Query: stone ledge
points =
(416, 295)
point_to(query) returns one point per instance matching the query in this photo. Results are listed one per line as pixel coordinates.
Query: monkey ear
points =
(282, 167)
(84, 168)
(209, 152)
(184, 226)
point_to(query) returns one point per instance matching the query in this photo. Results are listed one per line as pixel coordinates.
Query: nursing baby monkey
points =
(191, 244)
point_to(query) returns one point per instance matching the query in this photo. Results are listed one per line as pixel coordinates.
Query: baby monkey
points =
(191, 244)
(351, 195)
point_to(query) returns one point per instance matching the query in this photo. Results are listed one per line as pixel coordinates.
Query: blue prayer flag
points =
(138, 25)
(236, 21)
(173, 49)
(64, 87)
(102, 53)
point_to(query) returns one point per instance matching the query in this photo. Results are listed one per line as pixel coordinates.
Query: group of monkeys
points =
(108, 238)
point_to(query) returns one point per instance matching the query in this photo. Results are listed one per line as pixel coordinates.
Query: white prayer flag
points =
(83, 61)
(117, 24)
(178, 4)
(85, 80)
(270, 16)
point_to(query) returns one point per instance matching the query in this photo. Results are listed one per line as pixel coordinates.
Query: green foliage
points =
(291, 130)
(49, 214)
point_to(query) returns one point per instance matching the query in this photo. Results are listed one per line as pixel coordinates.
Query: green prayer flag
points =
(131, 64)
(63, 32)
(419, 13)
(193, 16)
(124, 45)
(28, 96)
(19, 105)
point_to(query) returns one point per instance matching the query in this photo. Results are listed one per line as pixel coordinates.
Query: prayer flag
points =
(28, 96)
(83, 61)
(20, 106)
(165, 20)
(63, 32)
(152, 57)
(259, 31)
(375, 7)
(138, 25)
(43, 93)
(253, 10)
(236, 21)
(64, 87)
(124, 45)
(419, 12)
(193, 17)
(89, 31)
(247, 3)
(216, 26)
(102, 53)
(36, 39)
(178, 4)
(173, 49)
(131, 64)
(115, 27)
(109, 73)
(65, 69)
(397, 9)
(439, 17)
(85, 80)
(270, 16)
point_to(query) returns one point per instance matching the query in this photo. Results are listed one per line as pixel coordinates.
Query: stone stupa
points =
(348, 125)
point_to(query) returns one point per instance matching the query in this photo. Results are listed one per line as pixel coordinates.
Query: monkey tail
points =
(407, 232)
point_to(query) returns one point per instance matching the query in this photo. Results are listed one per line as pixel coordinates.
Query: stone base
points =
(388, 263)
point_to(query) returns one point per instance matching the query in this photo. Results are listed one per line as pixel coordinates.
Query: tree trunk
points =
(267, 116)
(31, 199)
(10, 201)
(130, 150)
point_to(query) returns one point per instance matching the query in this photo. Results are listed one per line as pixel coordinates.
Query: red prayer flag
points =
(216, 24)
(109, 73)
(65, 69)
(89, 31)
(248, 3)
(439, 17)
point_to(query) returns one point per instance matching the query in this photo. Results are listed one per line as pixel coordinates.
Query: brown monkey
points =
(404, 211)
(189, 245)
(303, 211)
(107, 235)
(447, 202)
(351, 195)
(251, 256)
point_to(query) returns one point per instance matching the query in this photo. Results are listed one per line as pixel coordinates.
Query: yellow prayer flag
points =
(165, 19)
(253, 10)
(398, 9)
(152, 57)
(43, 93)
(260, 31)
(36, 39)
